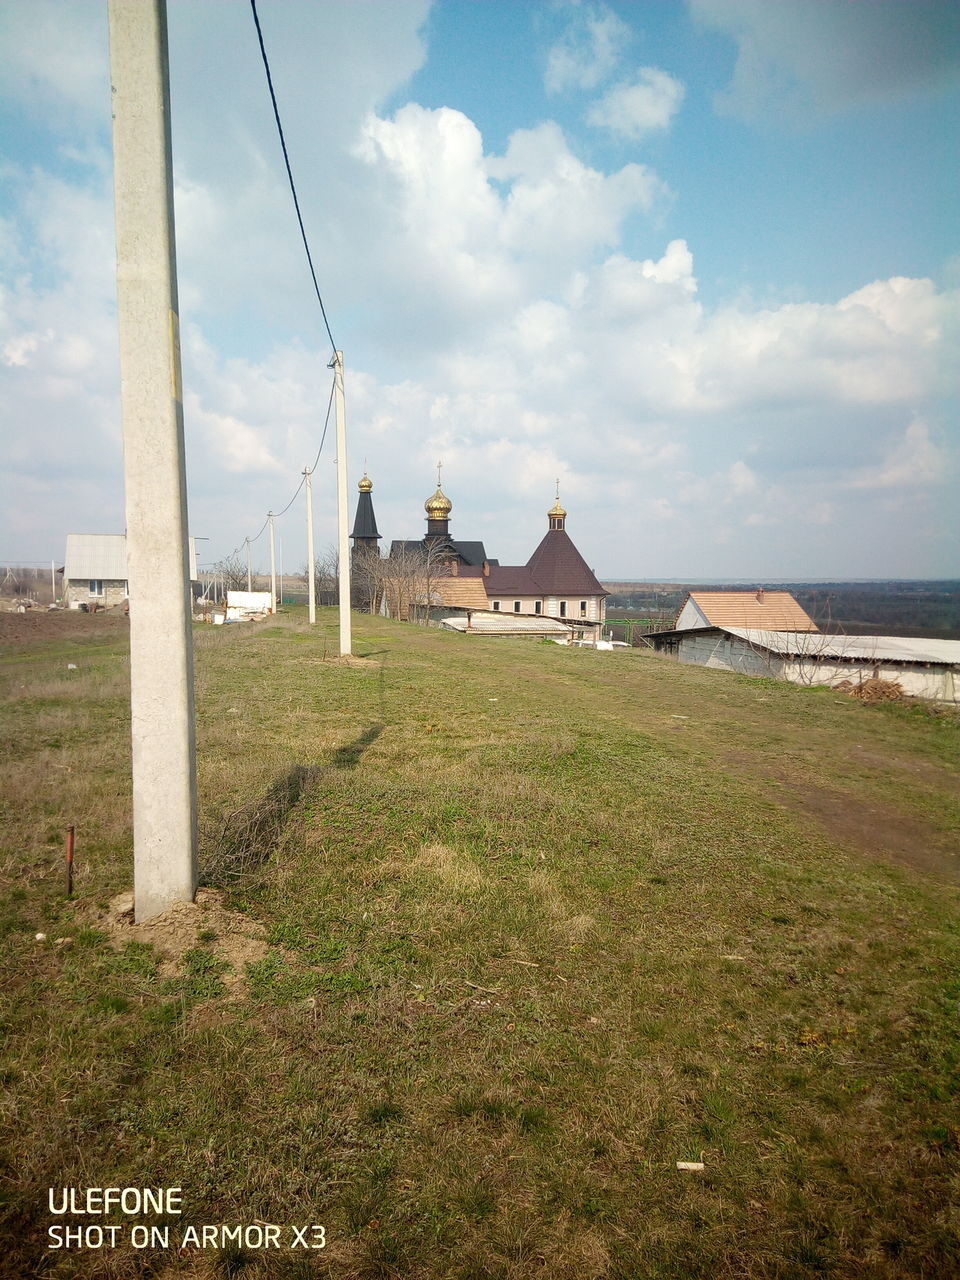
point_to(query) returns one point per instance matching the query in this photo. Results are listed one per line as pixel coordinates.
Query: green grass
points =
(537, 925)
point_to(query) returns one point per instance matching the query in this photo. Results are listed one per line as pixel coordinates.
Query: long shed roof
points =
(508, 624)
(881, 649)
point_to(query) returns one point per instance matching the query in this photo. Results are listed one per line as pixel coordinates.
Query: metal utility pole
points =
(346, 640)
(273, 566)
(311, 569)
(158, 563)
(249, 587)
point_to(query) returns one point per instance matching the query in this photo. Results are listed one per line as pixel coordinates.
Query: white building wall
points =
(690, 616)
(528, 604)
(938, 683)
(731, 653)
(726, 653)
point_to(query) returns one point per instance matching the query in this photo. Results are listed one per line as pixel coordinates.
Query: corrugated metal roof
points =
(858, 648)
(509, 624)
(764, 610)
(96, 555)
(104, 556)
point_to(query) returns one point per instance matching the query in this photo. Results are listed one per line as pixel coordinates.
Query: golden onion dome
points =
(366, 484)
(439, 506)
(557, 511)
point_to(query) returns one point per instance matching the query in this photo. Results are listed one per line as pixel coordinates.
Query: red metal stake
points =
(70, 836)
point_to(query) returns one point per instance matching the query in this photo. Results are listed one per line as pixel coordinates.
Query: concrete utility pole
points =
(273, 566)
(311, 570)
(346, 639)
(249, 587)
(158, 563)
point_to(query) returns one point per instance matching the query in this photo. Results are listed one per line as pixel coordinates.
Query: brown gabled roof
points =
(560, 570)
(512, 580)
(766, 610)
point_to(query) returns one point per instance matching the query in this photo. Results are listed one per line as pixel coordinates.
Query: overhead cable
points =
(276, 514)
(286, 160)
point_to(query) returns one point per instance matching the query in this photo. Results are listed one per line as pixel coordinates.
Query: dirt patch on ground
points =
(37, 625)
(877, 830)
(229, 935)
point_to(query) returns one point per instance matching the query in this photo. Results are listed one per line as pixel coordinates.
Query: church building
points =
(454, 576)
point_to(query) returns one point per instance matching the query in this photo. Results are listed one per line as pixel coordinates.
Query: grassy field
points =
(493, 935)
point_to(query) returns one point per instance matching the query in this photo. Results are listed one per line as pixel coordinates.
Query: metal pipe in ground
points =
(70, 845)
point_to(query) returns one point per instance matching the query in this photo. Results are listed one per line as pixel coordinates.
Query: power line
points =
(326, 423)
(276, 514)
(286, 160)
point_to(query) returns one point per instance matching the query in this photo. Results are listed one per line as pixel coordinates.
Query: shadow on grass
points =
(348, 757)
(248, 836)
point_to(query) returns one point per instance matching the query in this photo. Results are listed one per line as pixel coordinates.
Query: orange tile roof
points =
(460, 593)
(766, 610)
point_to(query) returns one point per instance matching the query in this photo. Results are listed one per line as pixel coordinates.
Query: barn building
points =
(923, 668)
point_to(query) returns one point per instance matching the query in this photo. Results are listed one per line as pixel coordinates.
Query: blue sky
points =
(698, 260)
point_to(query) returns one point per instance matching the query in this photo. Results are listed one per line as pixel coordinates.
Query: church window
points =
(583, 608)
(563, 608)
(496, 605)
(516, 606)
(538, 607)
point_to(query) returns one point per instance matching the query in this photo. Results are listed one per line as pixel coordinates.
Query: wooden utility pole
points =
(158, 562)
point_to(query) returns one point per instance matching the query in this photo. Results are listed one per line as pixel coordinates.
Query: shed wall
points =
(730, 653)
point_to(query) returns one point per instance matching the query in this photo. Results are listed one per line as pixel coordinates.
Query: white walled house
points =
(95, 569)
(923, 668)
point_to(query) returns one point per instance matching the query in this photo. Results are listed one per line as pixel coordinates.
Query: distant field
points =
(495, 933)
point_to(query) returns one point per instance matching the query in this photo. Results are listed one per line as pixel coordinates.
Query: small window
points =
(496, 605)
(96, 586)
(563, 608)
(516, 606)
(538, 607)
(583, 608)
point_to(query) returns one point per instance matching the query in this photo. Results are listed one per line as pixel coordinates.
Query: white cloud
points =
(741, 480)
(18, 350)
(634, 109)
(794, 55)
(588, 51)
(914, 461)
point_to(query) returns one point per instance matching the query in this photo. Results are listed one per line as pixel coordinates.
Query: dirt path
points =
(37, 625)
